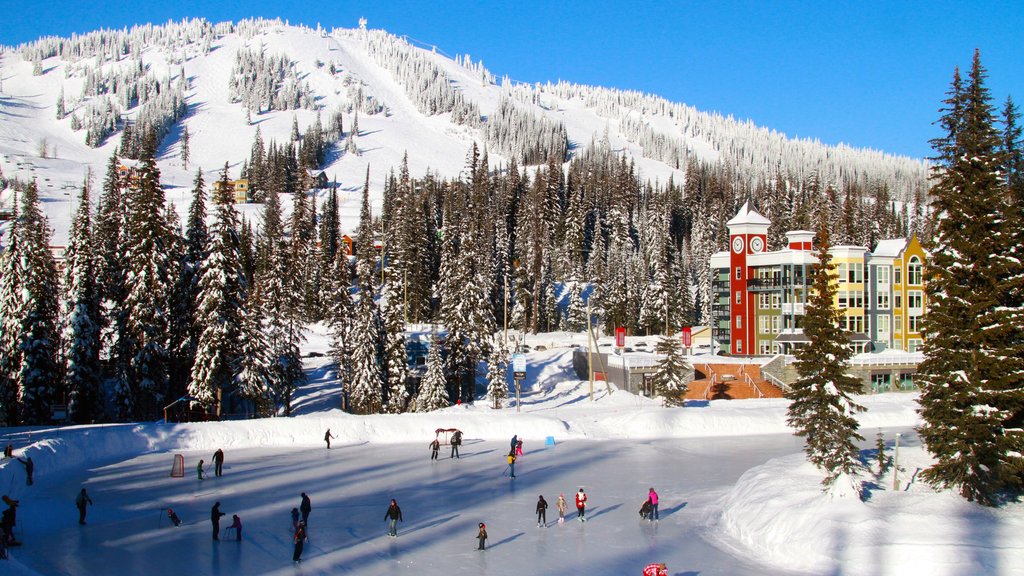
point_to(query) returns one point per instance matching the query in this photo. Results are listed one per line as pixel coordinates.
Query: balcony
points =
(766, 284)
(795, 308)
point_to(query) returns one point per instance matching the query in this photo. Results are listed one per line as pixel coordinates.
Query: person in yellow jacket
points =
(512, 463)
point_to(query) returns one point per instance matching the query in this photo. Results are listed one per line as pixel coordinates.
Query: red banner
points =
(687, 337)
(620, 337)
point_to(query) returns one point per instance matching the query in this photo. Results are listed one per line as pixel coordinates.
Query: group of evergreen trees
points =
(972, 376)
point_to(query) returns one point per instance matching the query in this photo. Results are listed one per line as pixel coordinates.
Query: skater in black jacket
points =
(305, 507)
(393, 515)
(218, 462)
(542, 512)
(434, 447)
(215, 515)
(456, 442)
(81, 501)
(482, 536)
(300, 539)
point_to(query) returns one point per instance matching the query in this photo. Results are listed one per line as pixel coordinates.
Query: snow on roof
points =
(890, 248)
(747, 216)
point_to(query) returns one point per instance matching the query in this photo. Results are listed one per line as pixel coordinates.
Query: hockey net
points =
(178, 468)
(444, 435)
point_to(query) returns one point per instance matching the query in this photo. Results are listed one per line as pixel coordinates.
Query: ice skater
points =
(218, 462)
(482, 536)
(519, 447)
(512, 463)
(236, 523)
(435, 446)
(305, 507)
(199, 469)
(215, 515)
(542, 512)
(652, 497)
(173, 517)
(581, 505)
(81, 501)
(327, 438)
(456, 442)
(656, 569)
(393, 515)
(295, 519)
(561, 505)
(300, 539)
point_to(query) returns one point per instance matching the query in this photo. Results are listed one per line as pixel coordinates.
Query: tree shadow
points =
(507, 540)
(604, 510)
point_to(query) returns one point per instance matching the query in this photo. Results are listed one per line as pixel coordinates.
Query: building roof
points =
(890, 248)
(747, 216)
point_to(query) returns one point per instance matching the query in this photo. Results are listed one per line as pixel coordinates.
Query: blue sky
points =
(871, 74)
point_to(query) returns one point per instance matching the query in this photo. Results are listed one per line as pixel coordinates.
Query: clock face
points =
(756, 244)
(737, 244)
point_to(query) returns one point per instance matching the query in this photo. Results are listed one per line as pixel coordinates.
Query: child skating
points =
(482, 536)
(561, 505)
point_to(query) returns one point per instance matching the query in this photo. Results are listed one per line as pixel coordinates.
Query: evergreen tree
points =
(12, 310)
(670, 377)
(433, 393)
(821, 409)
(395, 358)
(497, 375)
(220, 315)
(82, 319)
(367, 391)
(256, 382)
(972, 398)
(576, 316)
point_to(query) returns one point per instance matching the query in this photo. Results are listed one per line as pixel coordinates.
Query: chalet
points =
(316, 179)
(239, 189)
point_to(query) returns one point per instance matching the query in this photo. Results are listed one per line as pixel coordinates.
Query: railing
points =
(751, 382)
(774, 380)
(711, 384)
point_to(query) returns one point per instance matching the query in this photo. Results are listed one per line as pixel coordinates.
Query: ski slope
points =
(736, 494)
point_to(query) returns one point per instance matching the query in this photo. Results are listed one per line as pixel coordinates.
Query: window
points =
(914, 271)
(855, 299)
(897, 325)
(855, 273)
(880, 382)
(739, 321)
(898, 301)
(897, 274)
(883, 327)
(764, 324)
(739, 297)
(765, 348)
(775, 324)
(883, 299)
(915, 299)
(913, 345)
(913, 323)
(739, 346)
(881, 275)
(764, 301)
(841, 269)
(739, 272)
(841, 299)
(776, 301)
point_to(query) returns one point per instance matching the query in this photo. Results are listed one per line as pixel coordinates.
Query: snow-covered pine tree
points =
(670, 378)
(433, 394)
(576, 314)
(220, 314)
(971, 395)
(821, 409)
(256, 365)
(11, 312)
(366, 393)
(395, 358)
(39, 374)
(339, 318)
(81, 319)
(497, 374)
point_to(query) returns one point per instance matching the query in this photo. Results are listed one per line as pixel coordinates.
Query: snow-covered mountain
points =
(66, 103)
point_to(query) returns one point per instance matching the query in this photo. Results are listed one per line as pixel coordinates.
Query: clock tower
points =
(748, 233)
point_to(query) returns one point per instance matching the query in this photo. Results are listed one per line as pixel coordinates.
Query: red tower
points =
(748, 232)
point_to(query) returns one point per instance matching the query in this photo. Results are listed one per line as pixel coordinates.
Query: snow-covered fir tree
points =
(396, 362)
(497, 374)
(81, 319)
(971, 391)
(670, 377)
(433, 394)
(366, 393)
(11, 314)
(220, 313)
(821, 409)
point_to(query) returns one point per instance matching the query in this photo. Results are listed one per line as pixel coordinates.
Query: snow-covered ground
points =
(736, 494)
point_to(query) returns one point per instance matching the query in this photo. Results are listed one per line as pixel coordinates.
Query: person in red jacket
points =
(581, 505)
(656, 569)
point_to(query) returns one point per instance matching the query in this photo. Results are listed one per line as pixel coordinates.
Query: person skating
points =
(218, 462)
(652, 497)
(645, 509)
(519, 447)
(581, 505)
(199, 468)
(514, 442)
(512, 463)
(173, 517)
(81, 501)
(300, 539)
(542, 512)
(29, 468)
(561, 505)
(305, 507)
(236, 523)
(393, 515)
(327, 438)
(215, 515)
(456, 442)
(9, 451)
(482, 536)
(295, 519)
(7, 522)
(435, 446)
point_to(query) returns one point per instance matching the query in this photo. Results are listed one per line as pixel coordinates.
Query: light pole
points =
(896, 464)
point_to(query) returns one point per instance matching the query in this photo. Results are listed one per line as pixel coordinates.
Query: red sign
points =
(687, 336)
(620, 337)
